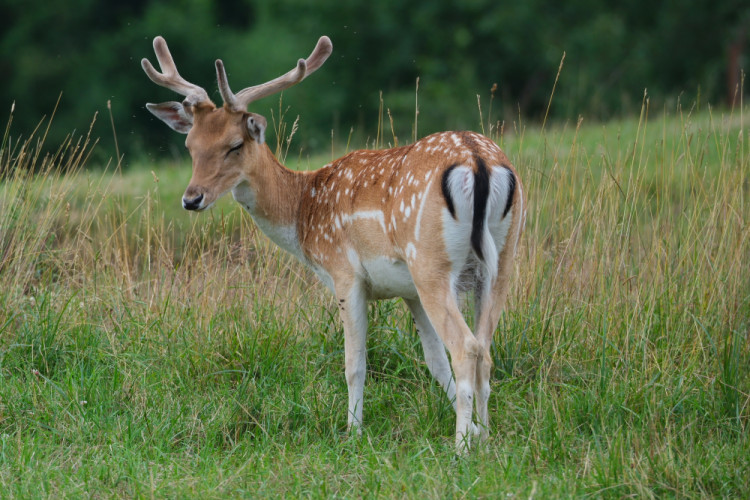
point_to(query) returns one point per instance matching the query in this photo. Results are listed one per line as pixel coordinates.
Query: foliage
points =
(90, 51)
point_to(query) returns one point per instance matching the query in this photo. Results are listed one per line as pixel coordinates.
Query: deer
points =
(429, 222)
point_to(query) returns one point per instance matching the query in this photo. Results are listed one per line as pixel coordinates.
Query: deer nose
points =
(192, 204)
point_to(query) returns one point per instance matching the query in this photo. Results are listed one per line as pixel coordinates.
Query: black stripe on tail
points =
(511, 191)
(481, 197)
(447, 191)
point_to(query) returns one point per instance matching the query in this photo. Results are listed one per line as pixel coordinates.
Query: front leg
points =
(353, 309)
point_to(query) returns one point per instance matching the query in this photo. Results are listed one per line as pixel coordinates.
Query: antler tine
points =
(170, 77)
(226, 93)
(305, 67)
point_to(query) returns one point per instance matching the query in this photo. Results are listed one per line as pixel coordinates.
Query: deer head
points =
(223, 142)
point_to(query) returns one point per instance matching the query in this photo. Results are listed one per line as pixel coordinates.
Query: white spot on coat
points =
(421, 210)
(411, 251)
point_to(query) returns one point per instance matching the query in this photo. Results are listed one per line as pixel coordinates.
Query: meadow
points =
(150, 352)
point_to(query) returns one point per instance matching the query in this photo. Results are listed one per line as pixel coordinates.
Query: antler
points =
(305, 67)
(169, 77)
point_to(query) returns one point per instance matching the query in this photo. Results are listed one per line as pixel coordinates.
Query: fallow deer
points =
(425, 222)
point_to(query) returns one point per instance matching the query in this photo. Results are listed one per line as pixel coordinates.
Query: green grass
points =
(145, 351)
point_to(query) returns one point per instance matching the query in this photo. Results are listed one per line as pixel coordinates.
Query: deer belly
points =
(386, 277)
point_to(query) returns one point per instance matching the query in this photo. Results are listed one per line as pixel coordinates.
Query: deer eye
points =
(234, 148)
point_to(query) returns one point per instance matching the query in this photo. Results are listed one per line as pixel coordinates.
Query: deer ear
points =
(256, 127)
(173, 114)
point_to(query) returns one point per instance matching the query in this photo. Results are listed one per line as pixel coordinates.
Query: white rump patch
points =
(457, 232)
(496, 224)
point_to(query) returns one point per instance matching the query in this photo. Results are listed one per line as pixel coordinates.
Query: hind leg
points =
(490, 303)
(441, 307)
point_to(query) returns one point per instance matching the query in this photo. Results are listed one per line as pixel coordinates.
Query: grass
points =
(148, 352)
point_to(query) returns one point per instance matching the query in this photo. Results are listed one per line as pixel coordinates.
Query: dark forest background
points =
(90, 51)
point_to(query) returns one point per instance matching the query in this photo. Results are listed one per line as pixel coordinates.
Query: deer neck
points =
(271, 193)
